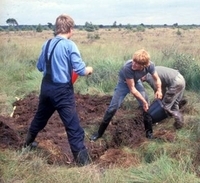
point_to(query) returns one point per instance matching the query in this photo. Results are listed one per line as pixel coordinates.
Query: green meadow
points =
(106, 50)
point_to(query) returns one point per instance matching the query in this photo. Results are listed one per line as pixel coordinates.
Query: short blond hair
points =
(141, 57)
(63, 24)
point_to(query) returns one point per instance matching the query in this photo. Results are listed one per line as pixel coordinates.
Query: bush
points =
(39, 28)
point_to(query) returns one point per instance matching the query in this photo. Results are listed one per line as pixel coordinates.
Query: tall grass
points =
(163, 169)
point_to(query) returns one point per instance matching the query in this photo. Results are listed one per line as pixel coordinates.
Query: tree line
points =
(89, 26)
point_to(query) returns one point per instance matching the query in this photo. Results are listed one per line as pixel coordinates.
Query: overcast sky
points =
(105, 12)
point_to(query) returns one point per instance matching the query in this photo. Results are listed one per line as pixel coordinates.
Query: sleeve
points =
(127, 73)
(151, 68)
(78, 64)
(41, 60)
(127, 70)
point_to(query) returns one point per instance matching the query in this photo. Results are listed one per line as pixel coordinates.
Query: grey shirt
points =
(166, 74)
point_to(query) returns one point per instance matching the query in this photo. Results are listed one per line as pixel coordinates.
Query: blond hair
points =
(63, 24)
(141, 57)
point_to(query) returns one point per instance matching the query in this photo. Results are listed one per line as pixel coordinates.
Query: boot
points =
(104, 124)
(30, 140)
(100, 132)
(179, 121)
(148, 125)
(82, 158)
(149, 134)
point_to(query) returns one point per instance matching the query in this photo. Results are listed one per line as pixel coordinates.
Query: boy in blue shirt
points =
(58, 59)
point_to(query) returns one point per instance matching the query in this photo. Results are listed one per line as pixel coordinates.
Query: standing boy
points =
(59, 57)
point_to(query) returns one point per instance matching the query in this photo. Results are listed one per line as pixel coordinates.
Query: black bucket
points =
(157, 111)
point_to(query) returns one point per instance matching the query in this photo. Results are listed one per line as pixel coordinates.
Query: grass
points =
(30, 168)
(157, 161)
(163, 169)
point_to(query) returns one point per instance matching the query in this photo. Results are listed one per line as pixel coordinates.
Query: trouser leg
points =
(178, 117)
(172, 107)
(106, 120)
(75, 133)
(175, 106)
(139, 86)
(172, 98)
(103, 126)
(44, 112)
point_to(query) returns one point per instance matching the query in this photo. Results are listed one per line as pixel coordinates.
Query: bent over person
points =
(59, 58)
(173, 86)
(129, 82)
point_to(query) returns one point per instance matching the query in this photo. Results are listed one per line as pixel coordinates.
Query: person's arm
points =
(41, 60)
(78, 64)
(157, 81)
(136, 93)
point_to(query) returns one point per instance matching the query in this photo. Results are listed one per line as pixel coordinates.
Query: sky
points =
(105, 12)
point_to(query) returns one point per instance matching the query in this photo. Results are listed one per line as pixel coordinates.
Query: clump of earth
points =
(125, 129)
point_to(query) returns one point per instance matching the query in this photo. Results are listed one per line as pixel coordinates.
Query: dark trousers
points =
(60, 97)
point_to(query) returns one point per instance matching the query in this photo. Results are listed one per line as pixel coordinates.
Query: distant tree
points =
(89, 27)
(100, 26)
(11, 28)
(12, 22)
(175, 25)
(50, 25)
(194, 25)
(39, 28)
(128, 26)
(114, 24)
(87, 24)
(45, 27)
(140, 28)
(151, 27)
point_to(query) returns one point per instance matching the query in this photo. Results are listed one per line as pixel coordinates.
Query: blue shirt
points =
(65, 58)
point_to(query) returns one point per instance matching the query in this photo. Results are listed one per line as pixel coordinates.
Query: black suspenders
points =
(48, 61)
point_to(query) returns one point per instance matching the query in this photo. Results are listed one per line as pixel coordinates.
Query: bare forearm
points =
(158, 93)
(137, 95)
(158, 85)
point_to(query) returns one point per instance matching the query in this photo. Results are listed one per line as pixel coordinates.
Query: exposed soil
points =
(126, 129)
